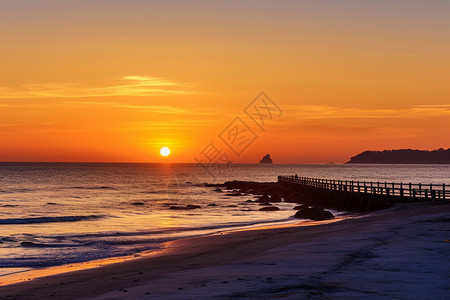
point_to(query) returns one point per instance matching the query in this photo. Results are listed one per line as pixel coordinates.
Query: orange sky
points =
(117, 80)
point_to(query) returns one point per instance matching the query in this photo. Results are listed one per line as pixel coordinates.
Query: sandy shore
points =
(400, 253)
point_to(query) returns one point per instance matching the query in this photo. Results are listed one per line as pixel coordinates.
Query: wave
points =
(21, 190)
(50, 219)
(51, 245)
(89, 187)
(196, 231)
(85, 247)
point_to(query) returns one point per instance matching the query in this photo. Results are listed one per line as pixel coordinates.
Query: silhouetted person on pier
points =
(296, 176)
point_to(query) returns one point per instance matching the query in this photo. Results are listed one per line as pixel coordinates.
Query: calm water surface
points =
(57, 213)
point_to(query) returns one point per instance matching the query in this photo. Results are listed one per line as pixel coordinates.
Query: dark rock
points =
(212, 204)
(193, 206)
(256, 187)
(235, 194)
(269, 208)
(8, 239)
(292, 193)
(305, 212)
(232, 205)
(298, 207)
(177, 207)
(264, 198)
(265, 204)
(266, 160)
(275, 199)
(269, 198)
(314, 209)
(313, 213)
(138, 203)
(292, 198)
(219, 190)
(185, 207)
(214, 185)
(249, 201)
(28, 244)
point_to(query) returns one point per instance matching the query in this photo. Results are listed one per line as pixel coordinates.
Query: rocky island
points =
(266, 160)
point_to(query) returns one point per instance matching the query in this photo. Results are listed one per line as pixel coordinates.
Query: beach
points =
(224, 150)
(401, 253)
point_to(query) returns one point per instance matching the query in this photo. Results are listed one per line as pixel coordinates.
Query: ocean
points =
(60, 213)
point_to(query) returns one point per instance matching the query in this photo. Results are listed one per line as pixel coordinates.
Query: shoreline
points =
(179, 270)
(32, 274)
(17, 276)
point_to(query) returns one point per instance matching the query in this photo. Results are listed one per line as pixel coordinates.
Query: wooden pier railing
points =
(401, 191)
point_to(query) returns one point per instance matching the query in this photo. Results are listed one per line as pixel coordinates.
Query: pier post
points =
(401, 191)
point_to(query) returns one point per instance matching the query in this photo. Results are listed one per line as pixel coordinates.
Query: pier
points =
(363, 195)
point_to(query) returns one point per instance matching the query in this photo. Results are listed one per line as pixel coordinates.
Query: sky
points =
(114, 81)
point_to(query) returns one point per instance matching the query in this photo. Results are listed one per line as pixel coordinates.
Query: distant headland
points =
(403, 156)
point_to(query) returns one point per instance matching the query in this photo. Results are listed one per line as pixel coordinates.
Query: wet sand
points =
(401, 252)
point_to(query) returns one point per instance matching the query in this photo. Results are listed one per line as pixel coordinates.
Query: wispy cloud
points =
(164, 109)
(332, 112)
(128, 86)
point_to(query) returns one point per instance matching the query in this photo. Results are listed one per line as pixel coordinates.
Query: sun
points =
(164, 151)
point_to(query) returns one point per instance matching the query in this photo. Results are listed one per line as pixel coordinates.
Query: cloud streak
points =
(158, 109)
(332, 112)
(129, 86)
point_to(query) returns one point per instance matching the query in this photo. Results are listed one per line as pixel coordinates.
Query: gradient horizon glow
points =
(115, 81)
